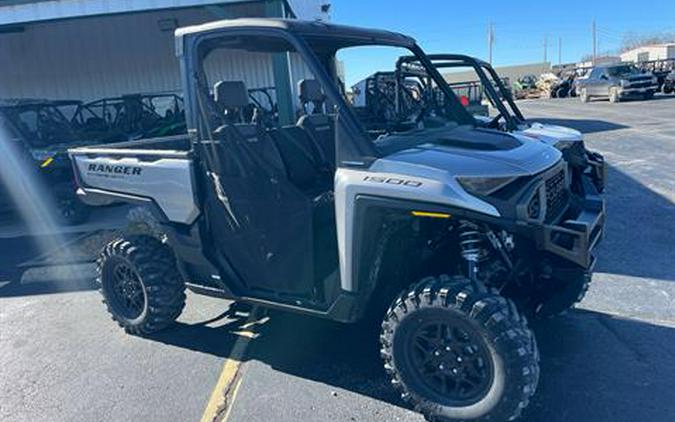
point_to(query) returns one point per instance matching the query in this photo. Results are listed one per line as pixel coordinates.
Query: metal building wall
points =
(255, 69)
(96, 57)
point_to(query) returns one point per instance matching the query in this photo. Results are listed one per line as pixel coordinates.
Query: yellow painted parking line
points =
(233, 397)
(230, 370)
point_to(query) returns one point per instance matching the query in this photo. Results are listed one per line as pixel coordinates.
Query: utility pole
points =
(491, 41)
(559, 51)
(545, 49)
(595, 42)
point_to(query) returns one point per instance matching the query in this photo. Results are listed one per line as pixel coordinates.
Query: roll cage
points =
(504, 103)
(317, 43)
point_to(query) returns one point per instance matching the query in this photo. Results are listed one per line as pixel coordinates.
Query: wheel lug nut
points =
(459, 359)
(455, 371)
(441, 367)
(437, 353)
(447, 348)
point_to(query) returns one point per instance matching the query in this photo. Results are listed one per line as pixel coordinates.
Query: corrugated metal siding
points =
(511, 72)
(37, 11)
(255, 69)
(92, 58)
(309, 9)
(99, 57)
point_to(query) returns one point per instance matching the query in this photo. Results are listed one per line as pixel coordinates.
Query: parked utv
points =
(669, 83)
(617, 82)
(582, 162)
(447, 232)
(41, 135)
(135, 116)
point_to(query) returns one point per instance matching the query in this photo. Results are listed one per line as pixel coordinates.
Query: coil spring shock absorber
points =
(472, 246)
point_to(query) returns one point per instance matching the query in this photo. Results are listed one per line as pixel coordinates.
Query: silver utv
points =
(582, 162)
(444, 233)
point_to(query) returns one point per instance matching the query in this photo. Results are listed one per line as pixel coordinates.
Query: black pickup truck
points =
(617, 82)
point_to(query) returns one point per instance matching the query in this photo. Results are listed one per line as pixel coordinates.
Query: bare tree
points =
(632, 40)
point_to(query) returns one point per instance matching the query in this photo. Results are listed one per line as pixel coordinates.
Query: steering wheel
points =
(494, 123)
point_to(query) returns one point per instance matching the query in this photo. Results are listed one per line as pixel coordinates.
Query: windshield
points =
(625, 70)
(388, 101)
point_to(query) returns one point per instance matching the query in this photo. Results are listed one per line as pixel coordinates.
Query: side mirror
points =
(603, 76)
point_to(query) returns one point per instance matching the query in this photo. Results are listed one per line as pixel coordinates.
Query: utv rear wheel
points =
(568, 293)
(140, 283)
(70, 210)
(457, 350)
(11, 276)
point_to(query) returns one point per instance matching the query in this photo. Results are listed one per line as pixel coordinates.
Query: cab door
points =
(262, 225)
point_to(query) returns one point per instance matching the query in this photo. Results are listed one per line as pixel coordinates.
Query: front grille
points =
(556, 196)
(640, 84)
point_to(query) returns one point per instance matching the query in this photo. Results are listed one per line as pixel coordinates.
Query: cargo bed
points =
(156, 172)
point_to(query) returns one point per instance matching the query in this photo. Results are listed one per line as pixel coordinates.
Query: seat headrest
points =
(231, 94)
(310, 91)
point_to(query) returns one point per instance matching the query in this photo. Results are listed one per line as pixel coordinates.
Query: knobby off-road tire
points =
(571, 292)
(482, 355)
(70, 209)
(140, 284)
(11, 276)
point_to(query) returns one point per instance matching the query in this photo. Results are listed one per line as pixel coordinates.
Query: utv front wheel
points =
(456, 350)
(564, 295)
(140, 284)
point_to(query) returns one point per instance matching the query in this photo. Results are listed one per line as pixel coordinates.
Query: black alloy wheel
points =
(126, 291)
(450, 360)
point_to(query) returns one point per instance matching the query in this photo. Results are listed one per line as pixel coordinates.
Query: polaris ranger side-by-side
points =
(509, 118)
(447, 232)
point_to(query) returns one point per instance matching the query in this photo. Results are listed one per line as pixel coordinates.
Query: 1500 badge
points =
(393, 181)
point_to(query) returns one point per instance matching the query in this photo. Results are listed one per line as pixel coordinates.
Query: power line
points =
(559, 51)
(491, 40)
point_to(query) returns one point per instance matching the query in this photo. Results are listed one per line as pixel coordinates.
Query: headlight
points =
(625, 82)
(484, 185)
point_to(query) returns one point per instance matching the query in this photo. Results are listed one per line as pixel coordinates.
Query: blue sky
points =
(520, 26)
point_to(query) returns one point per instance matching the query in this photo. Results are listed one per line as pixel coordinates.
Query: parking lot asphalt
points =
(62, 359)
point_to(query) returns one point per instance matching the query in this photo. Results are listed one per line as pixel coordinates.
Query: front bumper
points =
(597, 170)
(634, 92)
(578, 226)
(575, 237)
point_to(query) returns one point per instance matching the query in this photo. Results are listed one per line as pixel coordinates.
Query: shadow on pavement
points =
(47, 286)
(600, 368)
(595, 367)
(639, 230)
(582, 125)
(27, 270)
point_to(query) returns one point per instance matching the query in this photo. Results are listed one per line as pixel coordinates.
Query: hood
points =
(519, 156)
(557, 136)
